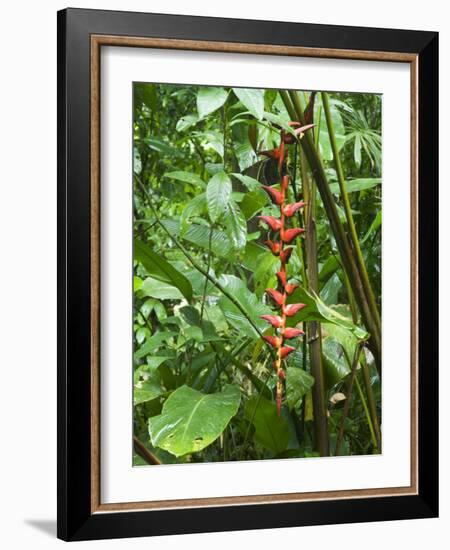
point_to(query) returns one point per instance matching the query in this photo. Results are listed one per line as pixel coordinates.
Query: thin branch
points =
(142, 451)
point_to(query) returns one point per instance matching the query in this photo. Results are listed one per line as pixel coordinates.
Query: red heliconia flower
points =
(286, 254)
(275, 320)
(290, 209)
(292, 332)
(285, 182)
(291, 309)
(285, 351)
(290, 288)
(272, 222)
(281, 374)
(275, 195)
(276, 296)
(275, 248)
(281, 275)
(274, 154)
(288, 235)
(300, 131)
(274, 341)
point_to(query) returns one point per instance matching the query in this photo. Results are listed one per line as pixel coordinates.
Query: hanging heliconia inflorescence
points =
(279, 245)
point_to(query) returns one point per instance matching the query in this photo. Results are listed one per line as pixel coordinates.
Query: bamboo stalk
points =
(313, 327)
(295, 110)
(348, 214)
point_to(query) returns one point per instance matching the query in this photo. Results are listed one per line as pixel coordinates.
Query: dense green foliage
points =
(204, 382)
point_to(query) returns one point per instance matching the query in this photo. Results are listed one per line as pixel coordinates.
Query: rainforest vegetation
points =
(257, 274)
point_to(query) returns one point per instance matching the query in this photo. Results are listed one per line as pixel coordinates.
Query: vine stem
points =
(194, 264)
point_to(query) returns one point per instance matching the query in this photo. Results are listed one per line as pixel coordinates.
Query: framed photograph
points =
(248, 299)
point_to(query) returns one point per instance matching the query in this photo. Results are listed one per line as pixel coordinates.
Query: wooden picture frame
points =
(81, 35)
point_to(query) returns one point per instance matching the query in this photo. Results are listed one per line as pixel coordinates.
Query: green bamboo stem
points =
(371, 404)
(348, 214)
(313, 327)
(295, 110)
(368, 416)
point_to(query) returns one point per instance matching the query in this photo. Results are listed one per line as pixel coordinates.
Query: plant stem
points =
(372, 404)
(348, 214)
(295, 110)
(313, 327)
(367, 413)
(142, 451)
(340, 436)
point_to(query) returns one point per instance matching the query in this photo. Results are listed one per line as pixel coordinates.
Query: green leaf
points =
(191, 420)
(335, 365)
(209, 100)
(149, 388)
(271, 430)
(186, 122)
(236, 226)
(245, 154)
(218, 194)
(251, 183)
(253, 202)
(186, 177)
(373, 227)
(153, 343)
(194, 207)
(160, 290)
(250, 303)
(356, 185)
(317, 310)
(298, 384)
(160, 269)
(252, 99)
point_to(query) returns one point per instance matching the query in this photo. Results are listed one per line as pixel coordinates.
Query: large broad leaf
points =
(191, 420)
(186, 122)
(245, 154)
(252, 184)
(160, 269)
(298, 384)
(252, 99)
(253, 202)
(335, 364)
(249, 302)
(236, 226)
(356, 185)
(209, 100)
(271, 430)
(218, 193)
(186, 177)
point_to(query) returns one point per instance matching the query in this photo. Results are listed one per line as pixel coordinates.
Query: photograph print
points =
(257, 274)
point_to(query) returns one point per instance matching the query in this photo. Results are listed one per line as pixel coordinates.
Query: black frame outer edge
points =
(75, 521)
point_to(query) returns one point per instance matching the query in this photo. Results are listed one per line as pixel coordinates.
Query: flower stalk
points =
(282, 236)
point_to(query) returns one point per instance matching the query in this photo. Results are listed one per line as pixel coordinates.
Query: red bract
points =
(276, 296)
(290, 209)
(275, 195)
(285, 183)
(285, 255)
(281, 374)
(272, 222)
(288, 235)
(291, 309)
(275, 320)
(285, 351)
(292, 332)
(274, 341)
(281, 275)
(274, 247)
(290, 288)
